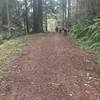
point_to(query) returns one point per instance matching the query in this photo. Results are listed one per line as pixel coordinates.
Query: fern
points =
(88, 34)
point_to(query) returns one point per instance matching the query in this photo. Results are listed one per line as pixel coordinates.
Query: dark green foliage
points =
(88, 33)
(7, 36)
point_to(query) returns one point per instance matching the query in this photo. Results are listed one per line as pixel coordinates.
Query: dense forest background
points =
(18, 17)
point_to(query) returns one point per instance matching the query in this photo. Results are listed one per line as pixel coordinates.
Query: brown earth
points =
(52, 67)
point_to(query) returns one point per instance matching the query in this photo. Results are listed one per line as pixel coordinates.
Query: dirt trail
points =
(52, 67)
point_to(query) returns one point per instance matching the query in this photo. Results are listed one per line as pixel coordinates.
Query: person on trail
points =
(65, 29)
(56, 29)
(60, 30)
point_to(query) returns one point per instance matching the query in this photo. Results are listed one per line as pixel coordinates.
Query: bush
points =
(88, 33)
(7, 36)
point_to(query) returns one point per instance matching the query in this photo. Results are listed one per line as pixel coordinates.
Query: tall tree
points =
(40, 13)
(5, 17)
(69, 11)
(46, 15)
(64, 12)
(38, 16)
(26, 15)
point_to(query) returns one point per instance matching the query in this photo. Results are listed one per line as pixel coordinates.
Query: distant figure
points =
(56, 29)
(60, 30)
(65, 29)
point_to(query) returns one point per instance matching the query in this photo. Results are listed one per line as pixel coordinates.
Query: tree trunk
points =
(65, 11)
(5, 17)
(46, 23)
(35, 17)
(38, 16)
(69, 12)
(63, 17)
(40, 11)
(26, 16)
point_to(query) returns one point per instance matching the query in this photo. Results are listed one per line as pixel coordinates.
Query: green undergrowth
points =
(88, 35)
(92, 48)
(8, 50)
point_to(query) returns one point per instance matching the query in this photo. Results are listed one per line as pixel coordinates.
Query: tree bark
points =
(38, 16)
(35, 17)
(40, 11)
(26, 16)
(5, 17)
(69, 12)
(46, 22)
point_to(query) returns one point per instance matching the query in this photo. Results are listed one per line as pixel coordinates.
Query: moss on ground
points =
(8, 50)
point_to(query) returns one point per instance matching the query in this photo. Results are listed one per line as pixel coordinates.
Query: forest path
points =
(52, 67)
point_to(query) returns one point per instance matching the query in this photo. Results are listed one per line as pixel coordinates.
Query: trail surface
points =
(52, 67)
